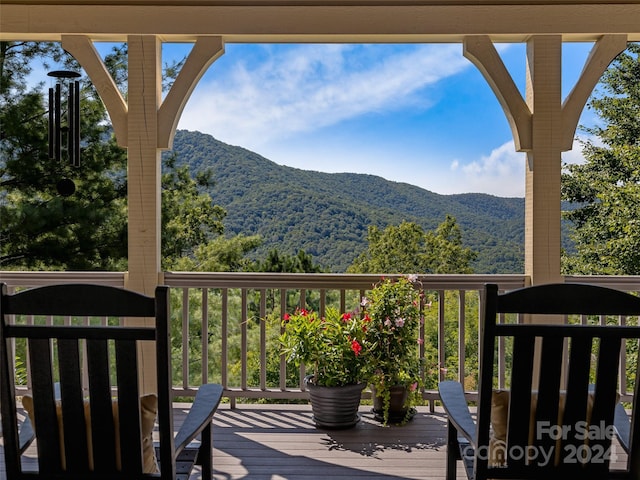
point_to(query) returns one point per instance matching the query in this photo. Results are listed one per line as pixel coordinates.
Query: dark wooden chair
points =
(87, 410)
(561, 426)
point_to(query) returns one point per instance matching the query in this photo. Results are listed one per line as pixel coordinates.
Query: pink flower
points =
(413, 386)
(420, 341)
(399, 322)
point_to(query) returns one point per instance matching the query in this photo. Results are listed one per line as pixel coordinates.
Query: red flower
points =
(286, 317)
(346, 317)
(356, 347)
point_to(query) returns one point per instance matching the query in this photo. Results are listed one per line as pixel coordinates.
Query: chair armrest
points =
(26, 435)
(200, 414)
(455, 405)
(622, 424)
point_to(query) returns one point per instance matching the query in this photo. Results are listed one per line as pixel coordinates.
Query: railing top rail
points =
(38, 279)
(331, 280)
(303, 280)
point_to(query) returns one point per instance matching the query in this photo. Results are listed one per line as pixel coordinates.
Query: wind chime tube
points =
(73, 139)
(51, 126)
(57, 130)
(70, 125)
(76, 120)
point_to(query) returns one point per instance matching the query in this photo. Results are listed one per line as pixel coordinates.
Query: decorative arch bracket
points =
(480, 51)
(605, 50)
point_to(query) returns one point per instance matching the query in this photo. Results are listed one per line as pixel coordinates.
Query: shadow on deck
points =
(278, 442)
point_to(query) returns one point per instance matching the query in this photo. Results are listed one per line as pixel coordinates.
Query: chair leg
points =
(453, 451)
(205, 452)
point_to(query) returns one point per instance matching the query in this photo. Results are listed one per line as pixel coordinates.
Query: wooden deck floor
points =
(282, 442)
(278, 442)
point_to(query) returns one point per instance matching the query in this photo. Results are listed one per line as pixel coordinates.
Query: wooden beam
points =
(338, 21)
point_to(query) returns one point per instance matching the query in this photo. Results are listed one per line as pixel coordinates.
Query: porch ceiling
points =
(381, 21)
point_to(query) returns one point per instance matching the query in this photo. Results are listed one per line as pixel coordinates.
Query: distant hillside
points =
(327, 215)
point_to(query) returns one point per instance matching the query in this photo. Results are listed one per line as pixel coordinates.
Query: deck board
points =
(277, 442)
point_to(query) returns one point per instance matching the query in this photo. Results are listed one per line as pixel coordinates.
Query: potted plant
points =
(392, 312)
(333, 348)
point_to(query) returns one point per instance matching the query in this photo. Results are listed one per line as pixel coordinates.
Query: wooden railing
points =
(225, 325)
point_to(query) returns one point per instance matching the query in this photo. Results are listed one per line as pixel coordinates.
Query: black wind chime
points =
(65, 123)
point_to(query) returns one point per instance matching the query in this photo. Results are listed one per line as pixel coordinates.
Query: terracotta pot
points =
(334, 407)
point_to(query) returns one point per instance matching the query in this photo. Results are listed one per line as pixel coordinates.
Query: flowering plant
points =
(393, 314)
(333, 345)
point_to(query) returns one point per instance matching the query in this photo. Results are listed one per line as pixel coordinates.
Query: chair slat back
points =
(85, 376)
(563, 387)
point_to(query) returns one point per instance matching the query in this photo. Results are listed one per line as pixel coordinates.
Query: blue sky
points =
(420, 114)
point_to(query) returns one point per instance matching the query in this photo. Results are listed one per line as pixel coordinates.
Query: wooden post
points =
(543, 166)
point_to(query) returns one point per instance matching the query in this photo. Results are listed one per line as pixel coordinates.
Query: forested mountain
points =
(327, 215)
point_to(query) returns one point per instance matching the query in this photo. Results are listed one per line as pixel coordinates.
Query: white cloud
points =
(500, 173)
(305, 87)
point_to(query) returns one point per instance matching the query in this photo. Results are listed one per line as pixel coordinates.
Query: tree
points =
(406, 248)
(276, 261)
(220, 254)
(605, 190)
(189, 217)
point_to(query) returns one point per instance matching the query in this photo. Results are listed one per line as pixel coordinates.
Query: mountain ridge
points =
(328, 214)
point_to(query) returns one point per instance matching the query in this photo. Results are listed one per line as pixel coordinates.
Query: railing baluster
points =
(283, 360)
(441, 338)
(204, 328)
(461, 336)
(185, 338)
(224, 333)
(243, 340)
(263, 340)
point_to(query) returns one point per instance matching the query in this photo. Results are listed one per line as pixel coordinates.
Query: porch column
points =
(544, 162)
(143, 163)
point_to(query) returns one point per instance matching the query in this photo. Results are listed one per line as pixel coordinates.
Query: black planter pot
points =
(398, 412)
(334, 407)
